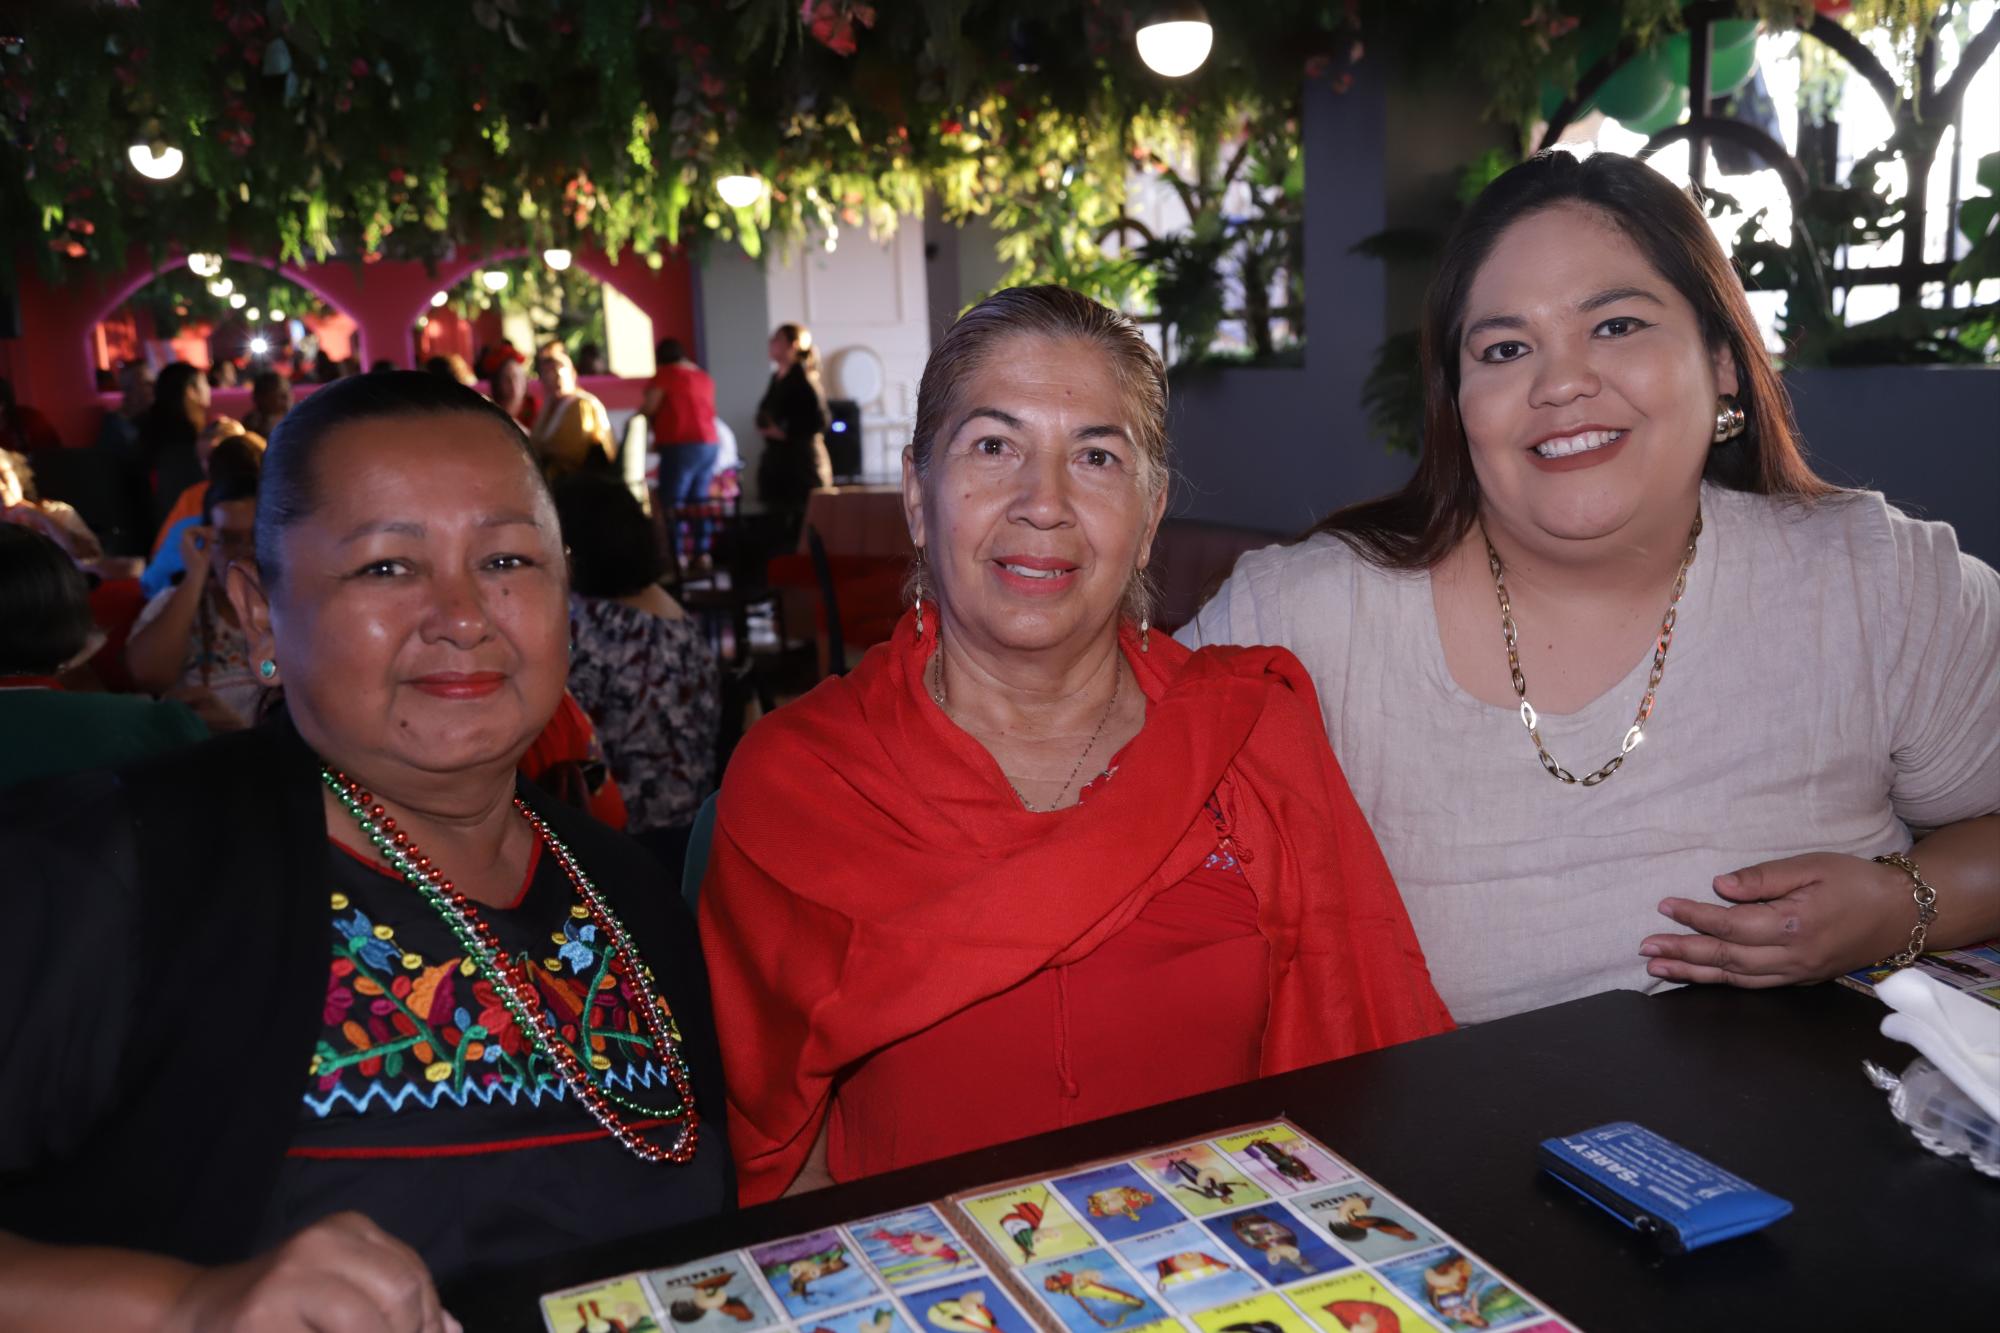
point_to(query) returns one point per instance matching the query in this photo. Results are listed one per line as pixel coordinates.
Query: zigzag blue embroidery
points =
(428, 1096)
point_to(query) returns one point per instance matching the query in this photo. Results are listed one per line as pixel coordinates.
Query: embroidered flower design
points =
(359, 933)
(576, 950)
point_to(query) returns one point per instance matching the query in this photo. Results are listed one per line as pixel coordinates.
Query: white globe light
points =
(204, 266)
(259, 346)
(253, 313)
(439, 298)
(221, 287)
(1175, 48)
(494, 280)
(557, 259)
(739, 191)
(238, 301)
(160, 166)
(277, 316)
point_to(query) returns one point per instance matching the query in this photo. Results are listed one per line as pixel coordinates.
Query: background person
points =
(792, 417)
(1612, 515)
(573, 433)
(679, 406)
(270, 399)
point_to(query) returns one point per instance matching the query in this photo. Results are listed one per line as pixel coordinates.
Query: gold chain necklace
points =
(1634, 733)
(941, 697)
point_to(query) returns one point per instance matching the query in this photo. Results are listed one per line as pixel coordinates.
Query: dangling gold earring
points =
(1730, 419)
(920, 592)
(1145, 634)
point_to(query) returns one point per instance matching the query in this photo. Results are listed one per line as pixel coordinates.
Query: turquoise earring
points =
(267, 669)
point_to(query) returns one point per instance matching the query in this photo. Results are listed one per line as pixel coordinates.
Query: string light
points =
(439, 298)
(739, 191)
(204, 265)
(238, 301)
(494, 280)
(221, 287)
(557, 259)
(157, 166)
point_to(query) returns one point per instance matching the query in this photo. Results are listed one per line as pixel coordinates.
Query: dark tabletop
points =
(1766, 1084)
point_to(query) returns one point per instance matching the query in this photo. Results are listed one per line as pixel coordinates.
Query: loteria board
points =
(1257, 1230)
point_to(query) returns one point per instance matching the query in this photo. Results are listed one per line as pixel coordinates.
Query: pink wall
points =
(52, 364)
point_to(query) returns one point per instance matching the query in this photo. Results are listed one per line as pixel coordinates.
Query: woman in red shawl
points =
(1031, 864)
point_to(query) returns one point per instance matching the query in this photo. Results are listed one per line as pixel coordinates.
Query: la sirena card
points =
(1275, 1245)
(912, 1248)
(814, 1273)
(607, 1307)
(1199, 1179)
(1119, 1202)
(1282, 1160)
(1091, 1292)
(1027, 1223)
(714, 1296)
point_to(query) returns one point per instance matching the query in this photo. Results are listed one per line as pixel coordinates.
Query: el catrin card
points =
(1366, 1222)
(1119, 1202)
(608, 1307)
(1029, 1223)
(814, 1273)
(1458, 1290)
(1090, 1292)
(913, 1247)
(1200, 1181)
(1275, 1245)
(716, 1294)
(1282, 1160)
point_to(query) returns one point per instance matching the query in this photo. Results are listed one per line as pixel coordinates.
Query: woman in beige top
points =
(1613, 520)
(573, 434)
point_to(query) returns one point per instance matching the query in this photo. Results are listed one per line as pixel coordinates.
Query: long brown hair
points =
(1416, 527)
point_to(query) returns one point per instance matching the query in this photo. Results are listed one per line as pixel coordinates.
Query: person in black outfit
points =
(259, 1059)
(793, 419)
(167, 434)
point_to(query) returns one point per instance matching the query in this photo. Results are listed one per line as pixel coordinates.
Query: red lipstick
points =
(460, 684)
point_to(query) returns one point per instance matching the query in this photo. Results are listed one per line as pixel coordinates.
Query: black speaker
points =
(843, 438)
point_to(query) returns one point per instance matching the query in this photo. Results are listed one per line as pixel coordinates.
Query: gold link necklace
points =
(1634, 733)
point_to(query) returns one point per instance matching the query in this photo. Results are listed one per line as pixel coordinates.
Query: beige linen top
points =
(1834, 682)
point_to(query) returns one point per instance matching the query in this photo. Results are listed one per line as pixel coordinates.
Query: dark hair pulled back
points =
(291, 481)
(44, 604)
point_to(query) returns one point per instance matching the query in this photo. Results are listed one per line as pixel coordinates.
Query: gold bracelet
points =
(1926, 899)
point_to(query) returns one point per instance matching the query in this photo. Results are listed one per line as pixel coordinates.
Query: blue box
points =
(1654, 1185)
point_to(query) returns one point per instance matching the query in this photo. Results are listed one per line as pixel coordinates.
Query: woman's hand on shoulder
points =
(339, 1274)
(1786, 922)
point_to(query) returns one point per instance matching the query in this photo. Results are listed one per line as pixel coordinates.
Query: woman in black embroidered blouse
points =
(312, 1069)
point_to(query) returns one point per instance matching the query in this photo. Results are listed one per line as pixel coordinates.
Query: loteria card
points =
(813, 1273)
(1027, 1223)
(1260, 1314)
(875, 1317)
(1458, 1291)
(609, 1307)
(711, 1296)
(1188, 1269)
(912, 1247)
(1960, 967)
(1089, 1292)
(973, 1305)
(1355, 1302)
(1275, 1245)
(1199, 1180)
(1282, 1160)
(1367, 1223)
(1119, 1202)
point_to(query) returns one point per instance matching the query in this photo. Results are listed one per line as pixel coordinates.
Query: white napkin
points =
(1960, 1033)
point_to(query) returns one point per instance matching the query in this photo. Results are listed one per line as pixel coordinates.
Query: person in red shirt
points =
(679, 405)
(1029, 863)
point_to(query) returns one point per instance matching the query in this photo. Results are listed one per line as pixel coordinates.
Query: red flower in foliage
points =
(832, 22)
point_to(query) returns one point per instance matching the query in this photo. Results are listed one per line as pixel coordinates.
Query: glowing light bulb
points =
(557, 259)
(277, 316)
(160, 166)
(1176, 40)
(238, 301)
(739, 191)
(221, 287)
(259, 346)
(204, 266)
(439, 298)
(253, 313)
(494, 280)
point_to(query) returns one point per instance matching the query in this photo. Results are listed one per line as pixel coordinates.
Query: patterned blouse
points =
(652, 688)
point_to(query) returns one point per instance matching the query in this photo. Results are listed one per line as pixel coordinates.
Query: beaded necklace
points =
(517, 990)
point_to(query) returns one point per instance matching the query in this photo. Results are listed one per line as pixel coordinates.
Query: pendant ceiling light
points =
(1175, 37)
(164, 164)
(739, 191)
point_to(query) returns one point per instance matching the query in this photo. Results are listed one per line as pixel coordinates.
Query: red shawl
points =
(873, 874)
